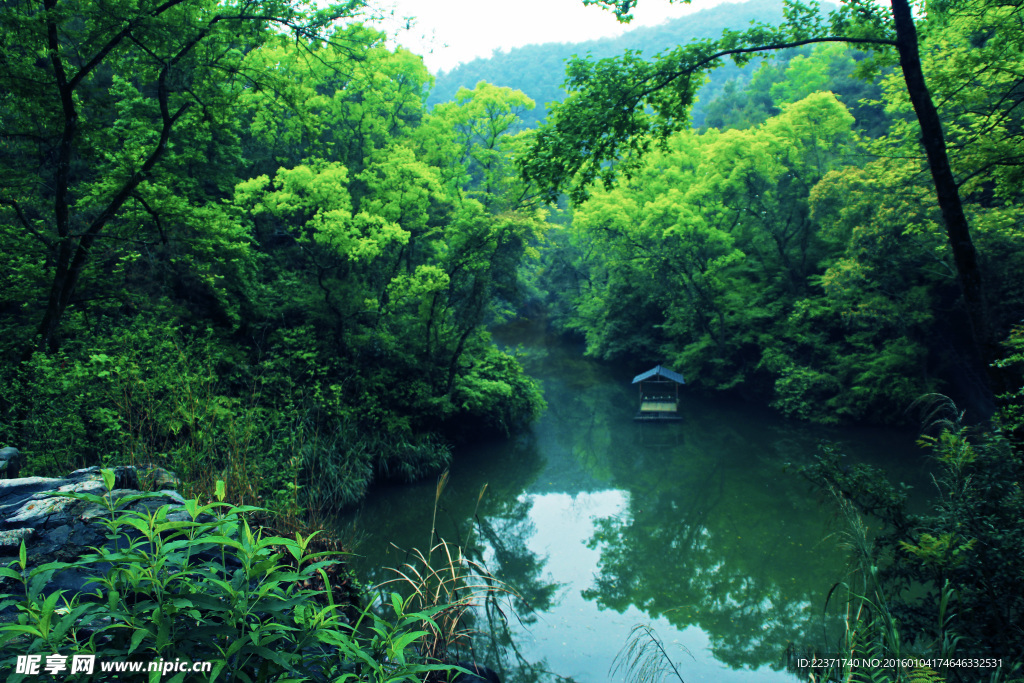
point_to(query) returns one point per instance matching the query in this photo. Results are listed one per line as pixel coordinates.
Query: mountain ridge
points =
(539, 69)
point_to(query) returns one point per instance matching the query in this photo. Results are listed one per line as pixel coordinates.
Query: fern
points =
(924, 674)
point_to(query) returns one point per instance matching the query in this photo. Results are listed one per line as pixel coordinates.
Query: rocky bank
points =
(58, 528)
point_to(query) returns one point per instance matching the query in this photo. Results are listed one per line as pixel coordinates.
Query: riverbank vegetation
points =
(239, 246)
(942, 584)
(201, 595)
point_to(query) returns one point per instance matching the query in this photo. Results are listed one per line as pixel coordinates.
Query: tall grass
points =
(872, 633)
(449, 585)
(644, 658)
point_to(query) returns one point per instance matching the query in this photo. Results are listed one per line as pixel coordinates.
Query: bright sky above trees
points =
(447, 32)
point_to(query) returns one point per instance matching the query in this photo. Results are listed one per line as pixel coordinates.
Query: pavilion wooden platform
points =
(657, 402)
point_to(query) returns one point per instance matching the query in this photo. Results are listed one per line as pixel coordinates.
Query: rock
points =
(10, 462)
(40, 510)
(57, 528)
(13, 490)
(163, 480)
(12, 538)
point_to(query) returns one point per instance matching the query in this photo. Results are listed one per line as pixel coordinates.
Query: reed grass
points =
(446, 583)
(644, 658)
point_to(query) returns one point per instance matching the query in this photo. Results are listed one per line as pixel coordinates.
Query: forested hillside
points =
(794, 248)
(539, 70)
(240, 246)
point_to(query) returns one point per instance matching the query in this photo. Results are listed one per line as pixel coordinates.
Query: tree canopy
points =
(231, 227)
(621, 107)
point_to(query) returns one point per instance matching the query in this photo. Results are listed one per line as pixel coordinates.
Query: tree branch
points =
(24, 221)
(761, 48)
(102, 53)
(89, 237)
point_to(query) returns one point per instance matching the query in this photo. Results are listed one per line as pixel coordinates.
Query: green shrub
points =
(290, 430)
(206, 587)
(950, 582)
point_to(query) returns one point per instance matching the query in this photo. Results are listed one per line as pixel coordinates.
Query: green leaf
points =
(138, 636)
(109, 478)
(11, 574)
(403, 641)
(221, 541)
(397, 604)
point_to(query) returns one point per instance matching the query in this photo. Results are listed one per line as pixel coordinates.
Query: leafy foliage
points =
(204, 586)
(623, 109)
(723, 256)
(252, 257)
(964, 557)
(787, 255)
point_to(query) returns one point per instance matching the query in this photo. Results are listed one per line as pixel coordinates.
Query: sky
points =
(448, 32)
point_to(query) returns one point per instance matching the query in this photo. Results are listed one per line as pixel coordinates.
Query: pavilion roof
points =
(658, 371)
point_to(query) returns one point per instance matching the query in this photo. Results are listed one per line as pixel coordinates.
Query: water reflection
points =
(599, 523)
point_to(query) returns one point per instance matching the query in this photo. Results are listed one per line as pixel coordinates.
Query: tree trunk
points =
(957, 229)
(73, 254)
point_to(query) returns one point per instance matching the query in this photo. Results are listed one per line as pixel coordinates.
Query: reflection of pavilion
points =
(659, 394)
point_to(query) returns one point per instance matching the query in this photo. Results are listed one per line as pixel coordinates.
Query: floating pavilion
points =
(659, 394)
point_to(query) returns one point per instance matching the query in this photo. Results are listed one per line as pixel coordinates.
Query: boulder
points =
(57, 528)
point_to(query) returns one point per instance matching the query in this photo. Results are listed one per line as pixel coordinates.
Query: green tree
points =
(741, 105)
(103, 103)
(835, 67)
(704, 254)
(972, 54)
(257, 215)
(472, 138)
(343, 99)
(621, 107)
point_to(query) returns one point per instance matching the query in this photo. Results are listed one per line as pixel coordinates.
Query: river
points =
(700, 530)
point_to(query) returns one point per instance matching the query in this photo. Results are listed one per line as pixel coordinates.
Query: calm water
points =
(698, 529)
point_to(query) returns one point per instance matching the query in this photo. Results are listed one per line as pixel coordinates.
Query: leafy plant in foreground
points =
(948, 583)
(201, 585)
